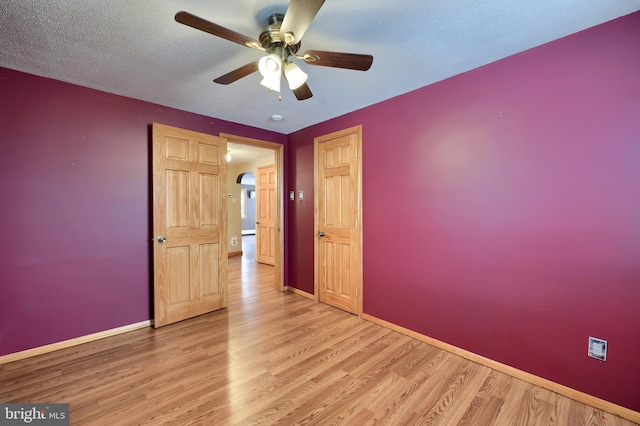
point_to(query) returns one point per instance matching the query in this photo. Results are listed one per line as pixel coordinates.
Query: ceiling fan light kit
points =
(271, 83)
(280, 39)
(270, 67)
(294, 75)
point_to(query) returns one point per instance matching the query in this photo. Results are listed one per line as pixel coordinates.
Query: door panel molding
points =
(189, 223)
(338, 219)
(265, 214)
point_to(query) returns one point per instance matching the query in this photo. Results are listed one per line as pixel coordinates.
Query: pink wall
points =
(502, 209)
(75, 209)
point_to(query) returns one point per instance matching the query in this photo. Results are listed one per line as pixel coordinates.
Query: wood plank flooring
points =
(279, 358)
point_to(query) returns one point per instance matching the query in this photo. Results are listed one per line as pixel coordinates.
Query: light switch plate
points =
(300, 195)
(292, 195)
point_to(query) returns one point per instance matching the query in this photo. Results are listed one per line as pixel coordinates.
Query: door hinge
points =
(356, 152)
(357, 292)
(356, 223)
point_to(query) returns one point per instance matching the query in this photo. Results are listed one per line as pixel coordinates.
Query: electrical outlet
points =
(597, 348)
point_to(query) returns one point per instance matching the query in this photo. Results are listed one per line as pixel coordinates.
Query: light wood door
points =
(266, 215)
(189, 224)
(338, 222)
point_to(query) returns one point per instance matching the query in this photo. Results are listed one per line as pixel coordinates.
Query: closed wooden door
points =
(338, 222)
(266, 215)
(189, 224)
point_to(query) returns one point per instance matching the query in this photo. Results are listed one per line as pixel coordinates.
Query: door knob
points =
(257, 223)
(321, 234)
(161, 239)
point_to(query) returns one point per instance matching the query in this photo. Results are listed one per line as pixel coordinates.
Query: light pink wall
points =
(75, 207)
(502, 209)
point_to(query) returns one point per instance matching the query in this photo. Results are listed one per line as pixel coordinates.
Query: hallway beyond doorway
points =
(247, 277)
(249, 247)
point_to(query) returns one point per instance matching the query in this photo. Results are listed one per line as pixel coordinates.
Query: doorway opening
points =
(247, 155)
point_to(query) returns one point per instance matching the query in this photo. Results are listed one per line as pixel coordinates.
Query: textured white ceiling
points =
(136, 49)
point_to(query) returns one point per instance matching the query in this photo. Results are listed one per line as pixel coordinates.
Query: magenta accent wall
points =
(75, 252)
(299, 235)
(502, 209)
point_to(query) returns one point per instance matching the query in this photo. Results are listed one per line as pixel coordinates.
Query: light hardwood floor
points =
(279, 358)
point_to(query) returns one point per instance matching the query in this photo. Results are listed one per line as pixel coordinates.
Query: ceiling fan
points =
(280, 39)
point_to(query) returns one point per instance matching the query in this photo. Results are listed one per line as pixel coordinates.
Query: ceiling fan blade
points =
(352, 61)
(299, 15)
(237, 74)
(303, 92)
(198, 23)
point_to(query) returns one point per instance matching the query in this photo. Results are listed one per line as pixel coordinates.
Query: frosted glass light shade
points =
(271, 83)
(295, 76)
(270, 67)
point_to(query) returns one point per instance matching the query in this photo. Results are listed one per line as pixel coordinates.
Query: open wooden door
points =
(338, 219)
(266, 215)
(189, 224)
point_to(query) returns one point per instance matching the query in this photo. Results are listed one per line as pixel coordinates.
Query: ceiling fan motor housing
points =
(271, 40)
